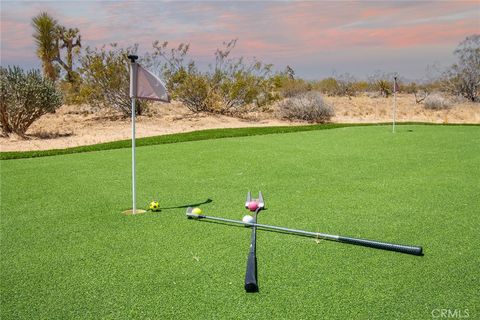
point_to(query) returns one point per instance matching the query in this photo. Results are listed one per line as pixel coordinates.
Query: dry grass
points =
(365, 109)
(73, 126)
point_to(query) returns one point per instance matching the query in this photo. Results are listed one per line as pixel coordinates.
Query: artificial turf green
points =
(173, 138)
(191, 136)
(67, 252)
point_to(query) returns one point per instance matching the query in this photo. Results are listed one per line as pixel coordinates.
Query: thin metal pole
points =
(394, 102)
(266, 226)
(415, 250)
(134, 193)
(133, 95)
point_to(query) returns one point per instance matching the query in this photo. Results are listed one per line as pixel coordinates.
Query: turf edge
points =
(197, 136)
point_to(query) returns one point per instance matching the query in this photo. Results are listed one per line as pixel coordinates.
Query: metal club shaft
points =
(415, 250)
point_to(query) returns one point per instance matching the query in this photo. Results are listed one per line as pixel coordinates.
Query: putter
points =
(251, 284)
(408, 249)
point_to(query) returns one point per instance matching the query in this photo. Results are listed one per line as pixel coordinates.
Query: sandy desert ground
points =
(74, 126)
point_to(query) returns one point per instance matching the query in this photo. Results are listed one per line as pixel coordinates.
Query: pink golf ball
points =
(252, 205)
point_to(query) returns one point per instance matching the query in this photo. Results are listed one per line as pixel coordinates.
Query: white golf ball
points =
(248, 219)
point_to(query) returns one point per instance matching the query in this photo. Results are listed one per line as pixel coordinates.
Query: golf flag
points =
(396, 87)
(146, 85)
(143, 85)
(395, 90)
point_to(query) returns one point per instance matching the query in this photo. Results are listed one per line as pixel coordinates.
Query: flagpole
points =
(134, 191)
(133, 95)
(394, 102)
(143, 85)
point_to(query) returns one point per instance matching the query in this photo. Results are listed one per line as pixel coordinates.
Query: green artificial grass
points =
(190, 136)
(171, 138)
(67, 252)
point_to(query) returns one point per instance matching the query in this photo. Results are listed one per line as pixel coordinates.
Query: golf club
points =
(414, 250)
(251, 284)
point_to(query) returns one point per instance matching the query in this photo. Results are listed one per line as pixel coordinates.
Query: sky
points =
(316, 38)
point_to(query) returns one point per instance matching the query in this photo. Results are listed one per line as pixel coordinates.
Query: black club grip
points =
(251, 274)
(418, 251)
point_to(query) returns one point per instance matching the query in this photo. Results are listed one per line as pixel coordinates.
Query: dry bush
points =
(308, 106)
(328, 86)
(25, 97)
(437, 102)
(294, 87)
(194, 93)
(463, 78)
(458, 99)
(340, 85)
(229, 84)
(381, 82)
(106, 79)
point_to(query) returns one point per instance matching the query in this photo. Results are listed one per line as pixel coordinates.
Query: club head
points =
(261, 202)
(249, 198)
(190, 214)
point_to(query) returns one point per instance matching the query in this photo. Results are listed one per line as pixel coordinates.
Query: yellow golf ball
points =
(154, 206)
(197, 211)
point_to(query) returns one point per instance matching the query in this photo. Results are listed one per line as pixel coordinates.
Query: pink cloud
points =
(17, 40)
(278, 31)
(387, 26)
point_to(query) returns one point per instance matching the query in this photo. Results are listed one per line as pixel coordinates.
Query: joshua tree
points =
(70, 40)
(51, 39)
(46, 39)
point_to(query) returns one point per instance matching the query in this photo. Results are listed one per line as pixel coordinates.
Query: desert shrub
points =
(382, 83)
(437, 102)
(346, 85)
(432, 86)
(361, 86)
(71, 90)
(339, 85)
(421, 91)
(308, 106)
(172, 64)
(194, 91)
(228, 85)
(106, 79)
(237, 89)
(293, 87)
(457, 99)
(463, 78)
(383, 86)
(239, 82)
(25, 97)
(420, 96)
(411, 88)
(328, 86)
(266, 94)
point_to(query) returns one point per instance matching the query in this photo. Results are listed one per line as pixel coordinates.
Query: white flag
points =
(147, 86)
(396, 87)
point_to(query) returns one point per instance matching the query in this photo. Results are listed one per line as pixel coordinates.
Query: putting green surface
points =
(68, 252)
